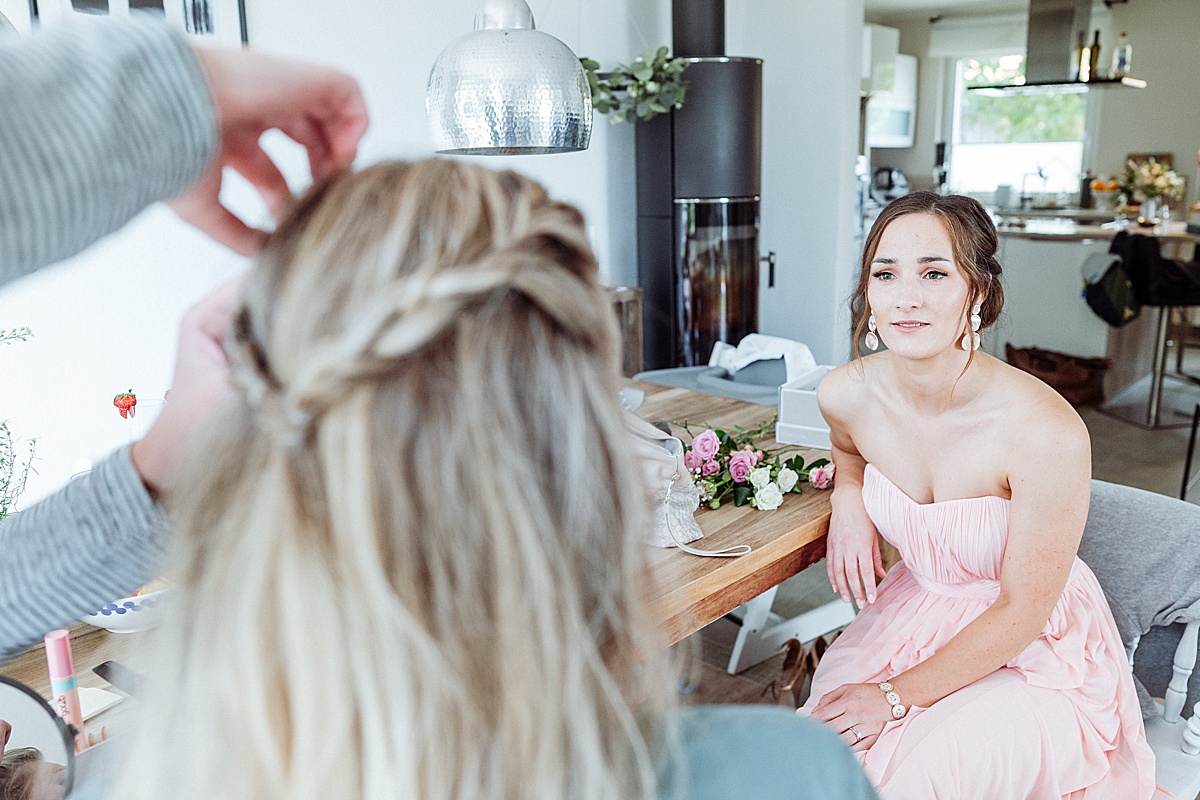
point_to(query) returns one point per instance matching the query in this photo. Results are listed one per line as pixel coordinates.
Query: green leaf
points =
(742, 495)
(820, 462)
(643, 72)
(657, 107)
(661, 53)
(589, 64)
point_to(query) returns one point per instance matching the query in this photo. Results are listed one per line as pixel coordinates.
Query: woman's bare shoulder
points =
(1036, 415)
(844, 389)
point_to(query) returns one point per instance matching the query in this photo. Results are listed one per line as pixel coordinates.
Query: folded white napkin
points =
(797, 358)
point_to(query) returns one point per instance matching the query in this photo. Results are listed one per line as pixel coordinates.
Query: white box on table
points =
(800, 421)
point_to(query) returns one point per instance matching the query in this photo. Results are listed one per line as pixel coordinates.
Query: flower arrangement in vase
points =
(1152, 184)
(728, 464)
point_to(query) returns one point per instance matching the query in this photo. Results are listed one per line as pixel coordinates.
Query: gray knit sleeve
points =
(98, 539)
(98, 119)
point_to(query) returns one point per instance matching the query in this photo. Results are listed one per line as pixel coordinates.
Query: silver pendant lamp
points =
(508, 89)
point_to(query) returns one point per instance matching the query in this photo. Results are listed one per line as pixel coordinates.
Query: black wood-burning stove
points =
(698, 180)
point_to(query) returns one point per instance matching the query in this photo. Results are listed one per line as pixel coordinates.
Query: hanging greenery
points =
(648, 87)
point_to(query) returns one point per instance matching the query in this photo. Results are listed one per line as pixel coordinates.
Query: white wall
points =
(106, 320)
(1165, 116)
(810, 140)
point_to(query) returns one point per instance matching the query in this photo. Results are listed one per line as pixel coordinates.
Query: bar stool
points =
(1167, 284)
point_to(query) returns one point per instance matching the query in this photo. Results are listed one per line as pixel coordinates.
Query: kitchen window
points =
(1032, 142)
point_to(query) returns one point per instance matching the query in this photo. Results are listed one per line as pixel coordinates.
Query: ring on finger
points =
(858, 737)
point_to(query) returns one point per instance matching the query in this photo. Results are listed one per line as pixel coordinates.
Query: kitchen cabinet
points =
(1043, 302)
(880, 46)
(892, 115)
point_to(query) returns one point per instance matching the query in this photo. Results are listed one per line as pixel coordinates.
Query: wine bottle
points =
(1122, 56)
(1094, 58)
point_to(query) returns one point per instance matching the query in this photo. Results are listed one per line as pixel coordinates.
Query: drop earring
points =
(871, 339)
(970, 341)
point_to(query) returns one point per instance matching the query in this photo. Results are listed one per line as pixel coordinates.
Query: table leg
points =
(1160, 366)
(763, 633)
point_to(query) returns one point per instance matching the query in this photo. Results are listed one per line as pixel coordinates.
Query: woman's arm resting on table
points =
(852, 557)
(1049, 477)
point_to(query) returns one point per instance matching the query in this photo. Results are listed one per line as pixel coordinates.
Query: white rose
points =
(786, 479)
(768, 498)
(759, 477)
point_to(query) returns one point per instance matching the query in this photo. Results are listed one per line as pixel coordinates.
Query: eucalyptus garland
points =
(648, 87)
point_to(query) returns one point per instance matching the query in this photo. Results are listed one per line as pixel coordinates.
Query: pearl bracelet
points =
(889, 694)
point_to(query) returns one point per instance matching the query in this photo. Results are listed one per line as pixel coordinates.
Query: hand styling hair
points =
(412, 563)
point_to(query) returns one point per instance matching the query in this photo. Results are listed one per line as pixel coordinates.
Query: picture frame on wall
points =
(1166, 159)
(217, 22)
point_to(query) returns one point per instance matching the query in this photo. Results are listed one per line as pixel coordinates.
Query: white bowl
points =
(130, 614)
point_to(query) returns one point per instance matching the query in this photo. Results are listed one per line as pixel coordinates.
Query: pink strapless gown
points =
(1061, 720)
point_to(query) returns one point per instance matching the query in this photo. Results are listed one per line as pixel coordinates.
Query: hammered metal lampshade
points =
(507, 89)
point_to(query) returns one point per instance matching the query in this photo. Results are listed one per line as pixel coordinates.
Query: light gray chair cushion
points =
(1145, 550)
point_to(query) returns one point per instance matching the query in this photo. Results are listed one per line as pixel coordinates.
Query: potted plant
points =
(14, 470)
(648, 87)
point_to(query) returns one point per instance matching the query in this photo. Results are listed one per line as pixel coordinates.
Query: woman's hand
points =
(852, 557)
(857, 712)
(319, 108)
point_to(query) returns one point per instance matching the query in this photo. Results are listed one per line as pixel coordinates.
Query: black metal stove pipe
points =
(698, 28)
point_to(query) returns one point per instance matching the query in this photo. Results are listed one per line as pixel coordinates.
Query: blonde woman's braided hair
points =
(412, 563)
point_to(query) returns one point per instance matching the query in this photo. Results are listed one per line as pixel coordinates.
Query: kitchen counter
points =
(1077, 214)
(1065, 230)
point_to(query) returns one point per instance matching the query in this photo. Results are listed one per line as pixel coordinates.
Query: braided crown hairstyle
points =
(412, 563)
(972, 239)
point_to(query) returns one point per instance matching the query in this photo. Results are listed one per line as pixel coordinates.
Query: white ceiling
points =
(935, 7)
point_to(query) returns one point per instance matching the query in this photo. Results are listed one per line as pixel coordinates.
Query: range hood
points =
(1056, 29)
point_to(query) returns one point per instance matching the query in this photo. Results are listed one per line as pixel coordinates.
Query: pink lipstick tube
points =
(63, 684)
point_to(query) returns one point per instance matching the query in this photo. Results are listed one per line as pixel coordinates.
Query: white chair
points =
(1145, 550)
(1176, 743)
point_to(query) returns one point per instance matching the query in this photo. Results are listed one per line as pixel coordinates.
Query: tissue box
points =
(800, 421)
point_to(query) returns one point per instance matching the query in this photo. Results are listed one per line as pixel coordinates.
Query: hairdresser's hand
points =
(318, 107)
(852, 557)
(5, 732)
(198, 387)
(860, 706)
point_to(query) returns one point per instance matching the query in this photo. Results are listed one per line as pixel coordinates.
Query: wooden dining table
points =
(695, 590)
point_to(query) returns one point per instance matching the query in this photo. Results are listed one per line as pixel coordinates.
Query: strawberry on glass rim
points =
(126, 403)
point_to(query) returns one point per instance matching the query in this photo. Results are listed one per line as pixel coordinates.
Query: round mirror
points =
(38, 758)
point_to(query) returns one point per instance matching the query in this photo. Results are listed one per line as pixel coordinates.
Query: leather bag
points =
(1080, 380)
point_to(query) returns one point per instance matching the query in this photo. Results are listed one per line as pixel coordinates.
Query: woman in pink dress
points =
(987, 663)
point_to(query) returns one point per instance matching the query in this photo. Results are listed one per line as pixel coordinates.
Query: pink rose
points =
(758, 456)
(710, 468)
(706, 445)
(692, 460)
(821, 477)
(740, 464)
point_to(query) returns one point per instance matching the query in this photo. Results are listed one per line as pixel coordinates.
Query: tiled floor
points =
(1121, 453)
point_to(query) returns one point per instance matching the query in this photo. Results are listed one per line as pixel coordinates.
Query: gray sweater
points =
(97, 121)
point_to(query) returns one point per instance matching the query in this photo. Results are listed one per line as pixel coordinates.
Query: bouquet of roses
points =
(726, 463)
(1150, 179)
